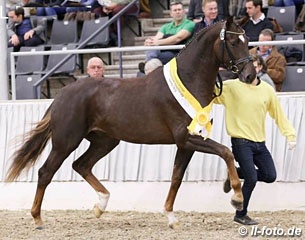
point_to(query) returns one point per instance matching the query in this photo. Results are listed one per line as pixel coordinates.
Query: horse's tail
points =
(29, 152)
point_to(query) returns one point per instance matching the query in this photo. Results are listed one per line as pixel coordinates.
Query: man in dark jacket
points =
(22, 32)
(210, 11)
(257, 20)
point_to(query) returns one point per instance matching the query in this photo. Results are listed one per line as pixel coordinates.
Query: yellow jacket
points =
(246, 107)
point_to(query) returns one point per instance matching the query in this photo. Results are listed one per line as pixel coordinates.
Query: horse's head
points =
(232, 50)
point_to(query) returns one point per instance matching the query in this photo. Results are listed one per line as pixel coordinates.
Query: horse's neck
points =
(199, 77)
(198, 64)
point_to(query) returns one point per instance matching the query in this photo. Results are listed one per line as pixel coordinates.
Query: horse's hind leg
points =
(100, 145)
(45, 175)
(182, 160)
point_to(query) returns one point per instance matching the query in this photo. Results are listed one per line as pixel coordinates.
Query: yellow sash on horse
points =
(201, 124)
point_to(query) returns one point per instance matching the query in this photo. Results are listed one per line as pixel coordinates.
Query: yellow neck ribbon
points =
(201, 123)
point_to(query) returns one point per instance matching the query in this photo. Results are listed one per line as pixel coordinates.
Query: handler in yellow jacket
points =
(246, 106)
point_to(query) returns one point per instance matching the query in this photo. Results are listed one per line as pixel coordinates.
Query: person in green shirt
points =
(246, 106)
(179, 31)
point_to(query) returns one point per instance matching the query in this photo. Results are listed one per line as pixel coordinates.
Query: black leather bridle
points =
(233, 64)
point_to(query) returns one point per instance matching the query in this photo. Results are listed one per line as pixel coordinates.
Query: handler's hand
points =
(291, 145)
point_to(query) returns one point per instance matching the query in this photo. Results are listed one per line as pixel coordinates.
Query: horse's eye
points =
(234, 42)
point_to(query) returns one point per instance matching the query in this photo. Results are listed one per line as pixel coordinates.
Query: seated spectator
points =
(286, 3)
(51, 11)
(148, 67)
(144, 9)
(195, 12)
(179, 31)
(210, 11)
(95, 68)
(151, 65)
(11, 4)
(22, 32)
(223, 9)
(257, 20)
(276, 62)
(85, 5)
(111, 8)
(261, 70)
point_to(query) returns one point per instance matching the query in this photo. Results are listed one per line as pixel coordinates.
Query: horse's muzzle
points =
(248, 73)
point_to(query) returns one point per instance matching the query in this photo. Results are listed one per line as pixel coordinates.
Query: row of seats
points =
(285, 16)
(29, 69)
(40, 64)
(65, 32)
(295, 81)
(288, 37)
(295, 78)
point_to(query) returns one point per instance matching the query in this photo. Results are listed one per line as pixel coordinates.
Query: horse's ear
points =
(242, 21)
(229, 21)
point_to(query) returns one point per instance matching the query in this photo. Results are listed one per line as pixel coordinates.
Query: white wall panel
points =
(131, 162)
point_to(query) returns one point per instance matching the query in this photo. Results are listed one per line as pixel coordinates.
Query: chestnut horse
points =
(137, 110)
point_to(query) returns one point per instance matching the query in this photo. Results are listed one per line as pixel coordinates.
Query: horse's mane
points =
(201, 32)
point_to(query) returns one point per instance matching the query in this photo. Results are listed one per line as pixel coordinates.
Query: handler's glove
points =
(291, 145)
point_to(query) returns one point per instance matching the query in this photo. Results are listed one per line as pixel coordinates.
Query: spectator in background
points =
(195, 12)
(144, 9)
(210, 11)
(11, 4)
(261, 70)
(223, 9)
(22, 32)
(179, 31)
(51, 11)
(280, 3)
(276, 62)
(110, 8)
(150, 66)
(95, 68)
(257, 20)
(85, 5)
(287, 3)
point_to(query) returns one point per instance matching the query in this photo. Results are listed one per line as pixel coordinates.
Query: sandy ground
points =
(78, 224)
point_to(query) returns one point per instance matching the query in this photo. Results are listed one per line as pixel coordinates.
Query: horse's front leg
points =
(182, 160)
(212, 147)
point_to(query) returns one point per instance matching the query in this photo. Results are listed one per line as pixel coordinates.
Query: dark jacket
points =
(38, 25)
(253, 30)
(202, 24)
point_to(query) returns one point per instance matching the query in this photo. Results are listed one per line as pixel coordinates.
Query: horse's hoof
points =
(237, 205)
(40, 227)
(174, 225)
(97, 211)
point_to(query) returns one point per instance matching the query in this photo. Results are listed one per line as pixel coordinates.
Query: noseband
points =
(233, 63)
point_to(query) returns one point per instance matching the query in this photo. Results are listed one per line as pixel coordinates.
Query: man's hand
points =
(291, 145)
(29, 34)
(149, 41)
(14, 40)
